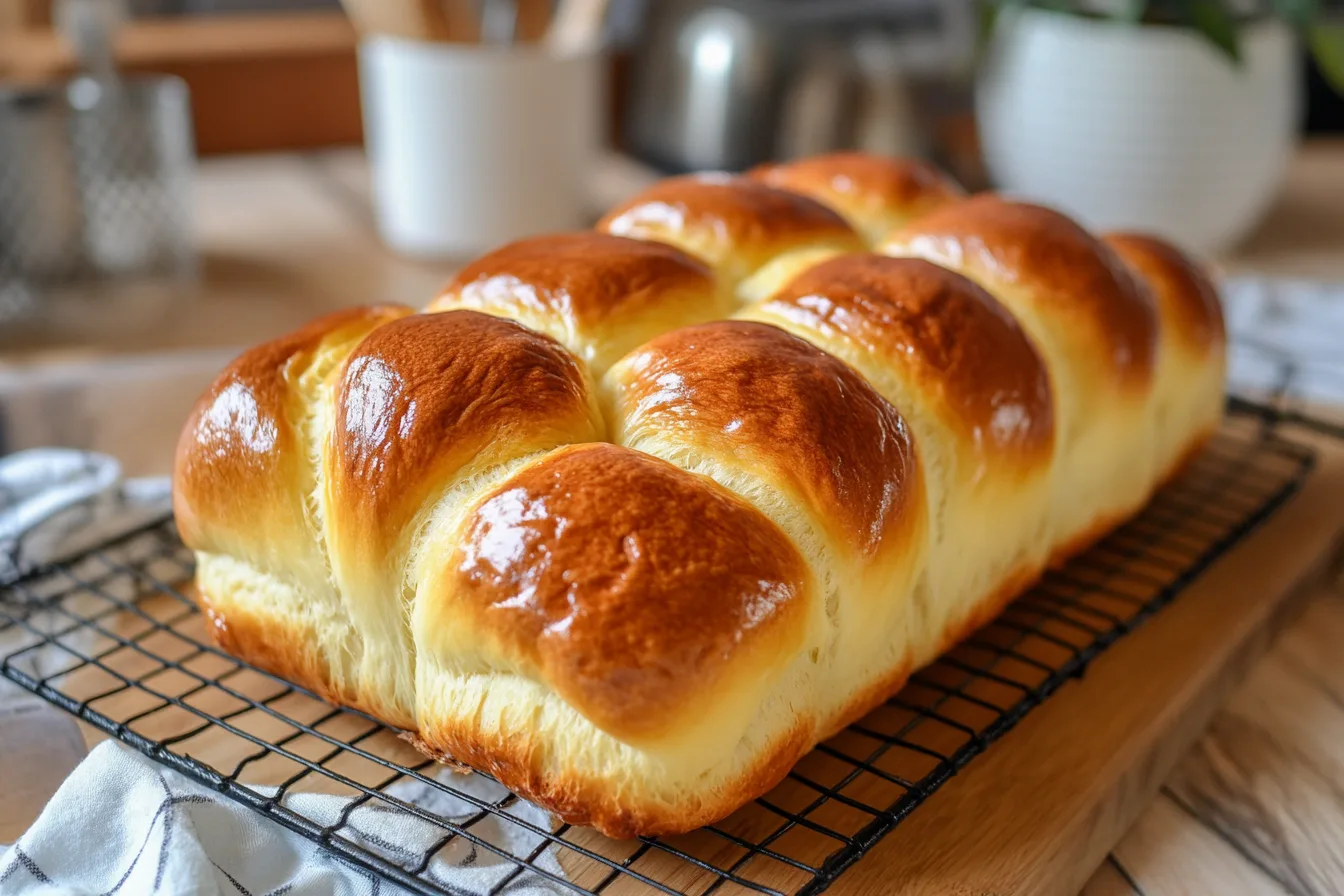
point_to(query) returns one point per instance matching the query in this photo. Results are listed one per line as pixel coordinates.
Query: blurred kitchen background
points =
(181, 178)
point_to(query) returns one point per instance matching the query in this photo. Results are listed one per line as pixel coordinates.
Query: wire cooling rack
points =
(116, 639)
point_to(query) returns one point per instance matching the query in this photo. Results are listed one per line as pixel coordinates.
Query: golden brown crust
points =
(991, 606)
(1190, 310)
(585, 277)
(239, 461)
(278, 648)
(953, 339)
(424, 397)
(729, 222)
(518, 764)
(1049, 260)
(869, 190)
(627, 584)
(1102, 526)
(599, 295)
(750, 390)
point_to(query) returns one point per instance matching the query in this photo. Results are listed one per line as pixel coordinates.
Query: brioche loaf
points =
(872, 193)
(631, 519)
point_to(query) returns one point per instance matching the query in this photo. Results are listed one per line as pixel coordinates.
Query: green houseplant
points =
(1217, 21)
(1173, 116)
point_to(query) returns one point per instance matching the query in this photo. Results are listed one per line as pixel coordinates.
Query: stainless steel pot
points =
(707, 85)
(724, 84)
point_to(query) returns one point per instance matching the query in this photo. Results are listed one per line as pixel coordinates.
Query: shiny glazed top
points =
(241, 462)
(871, 191)
(758, 395)
(1043, 257)
(1186, 297)
(584, 277)
(429, 398)
(954, 341)
(729, 222)
(627, 585)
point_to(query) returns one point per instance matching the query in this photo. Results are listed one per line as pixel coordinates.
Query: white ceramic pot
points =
(1144, 127)
(471, 146)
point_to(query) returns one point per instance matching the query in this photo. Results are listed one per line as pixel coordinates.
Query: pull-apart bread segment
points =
(246, 486)
(977, 397)
(598, 295)
(755, 237)
(875, 194)
(1095, 325)
(632, 519)
(804, 438)
(624, 641)
(1191, 368)
(384, 438)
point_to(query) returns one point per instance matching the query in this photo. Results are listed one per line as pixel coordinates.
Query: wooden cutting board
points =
(1039, 810)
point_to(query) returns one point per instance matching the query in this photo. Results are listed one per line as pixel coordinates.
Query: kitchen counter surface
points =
(1255, 807)
(285, 237)
(281, 238)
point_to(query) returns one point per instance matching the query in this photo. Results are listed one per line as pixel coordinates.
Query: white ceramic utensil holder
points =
(471, 146)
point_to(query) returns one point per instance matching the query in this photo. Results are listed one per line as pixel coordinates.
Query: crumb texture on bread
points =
(631, 519)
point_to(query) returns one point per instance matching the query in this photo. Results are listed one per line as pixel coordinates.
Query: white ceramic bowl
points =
(1143, 127)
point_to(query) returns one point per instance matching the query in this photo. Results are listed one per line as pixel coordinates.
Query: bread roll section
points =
(1191, 360)
(612, 624)
(632, 518)
(245, 496)
(977, 397)
(1095, 324)
(755, 237)
(596, 294)
(874, 194)
(803, 437)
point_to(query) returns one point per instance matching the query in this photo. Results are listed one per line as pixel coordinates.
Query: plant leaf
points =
(1213, 20)
(1327, 50)
(1132, 11)
(1298, 13)
(989, 14)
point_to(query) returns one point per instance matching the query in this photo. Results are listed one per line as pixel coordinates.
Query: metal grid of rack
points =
(116, 639)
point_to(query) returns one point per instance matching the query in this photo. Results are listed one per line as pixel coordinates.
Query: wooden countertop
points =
(1255, 807)
(285, 237)
(282, 238)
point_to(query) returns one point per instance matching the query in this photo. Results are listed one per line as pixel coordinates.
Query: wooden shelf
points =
(258, 82)
(42, 53)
